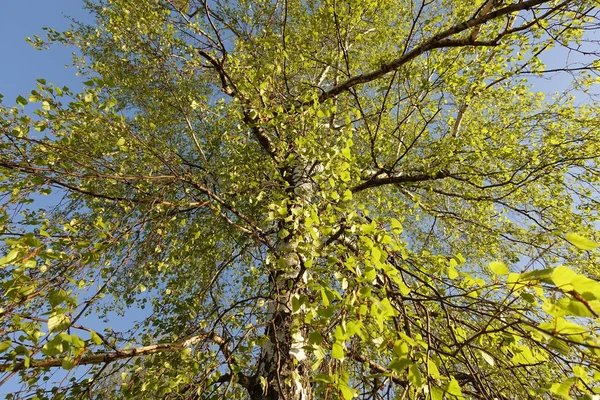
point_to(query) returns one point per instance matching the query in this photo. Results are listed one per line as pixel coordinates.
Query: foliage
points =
(306, 199)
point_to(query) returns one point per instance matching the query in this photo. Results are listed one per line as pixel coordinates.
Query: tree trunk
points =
(284, 367)
(283, 372)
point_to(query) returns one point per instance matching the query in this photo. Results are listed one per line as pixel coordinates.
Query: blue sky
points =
(21, 65)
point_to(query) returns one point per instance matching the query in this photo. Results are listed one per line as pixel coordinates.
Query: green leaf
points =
(326, 312)
(580, 242)
(296, 304)
(401, 349)
(499, 268)
(95, 338)
(437, 393)
(56, 297)
(414, 375)
(324, 378)
(453, 389)
(347, 392)
(568, 280)
(5, 345)
(68, 363)
(346, 153)
(58, 322)
(563, 326)
(22, 101)
(375, 255)
(315, 338)
(563, 389)
(54, 347)
(577, 308)
(10, 257)
(452, 273)
(399, 365)
(337, 351)
(488, 358)
(396, 226)
(324, 298)
(339, 334)
(433, 369)
(562, 277)
(370, 273)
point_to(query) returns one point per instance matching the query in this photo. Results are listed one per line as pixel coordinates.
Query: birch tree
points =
(307, 200)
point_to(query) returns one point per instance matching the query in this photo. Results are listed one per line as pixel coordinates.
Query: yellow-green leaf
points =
(581, 242)
(452, 273)
(337, 351)
(563, 389)
(58, 322)
(454, 389)
(399, 365)
(347, 392)
(5, 345)
(396, 226)
(414, 375)
(499, 268)
(488, 358)
(433, 369)
(95, 338)
(68, 363)
(9, 257)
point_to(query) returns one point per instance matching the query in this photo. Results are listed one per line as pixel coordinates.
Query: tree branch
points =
(109, 357)
(378, 368)
(437, 41)
(400, 179)
(35, 171)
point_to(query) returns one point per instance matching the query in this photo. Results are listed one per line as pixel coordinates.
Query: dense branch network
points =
(304, 180)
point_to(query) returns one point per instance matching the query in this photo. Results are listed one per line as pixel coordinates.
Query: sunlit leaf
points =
(581, 242)
(499, 268)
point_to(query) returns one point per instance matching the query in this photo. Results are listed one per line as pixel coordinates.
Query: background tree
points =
(314, 199)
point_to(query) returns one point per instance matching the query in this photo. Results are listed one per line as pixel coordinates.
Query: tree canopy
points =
(303, 200)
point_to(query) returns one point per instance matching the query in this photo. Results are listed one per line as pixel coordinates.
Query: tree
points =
(315, 199)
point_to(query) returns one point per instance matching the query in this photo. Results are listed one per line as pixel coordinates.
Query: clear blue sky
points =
(21, 65)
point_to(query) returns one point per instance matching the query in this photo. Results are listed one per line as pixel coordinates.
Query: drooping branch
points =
(108, 357)
(45, 174)
(41, 172)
